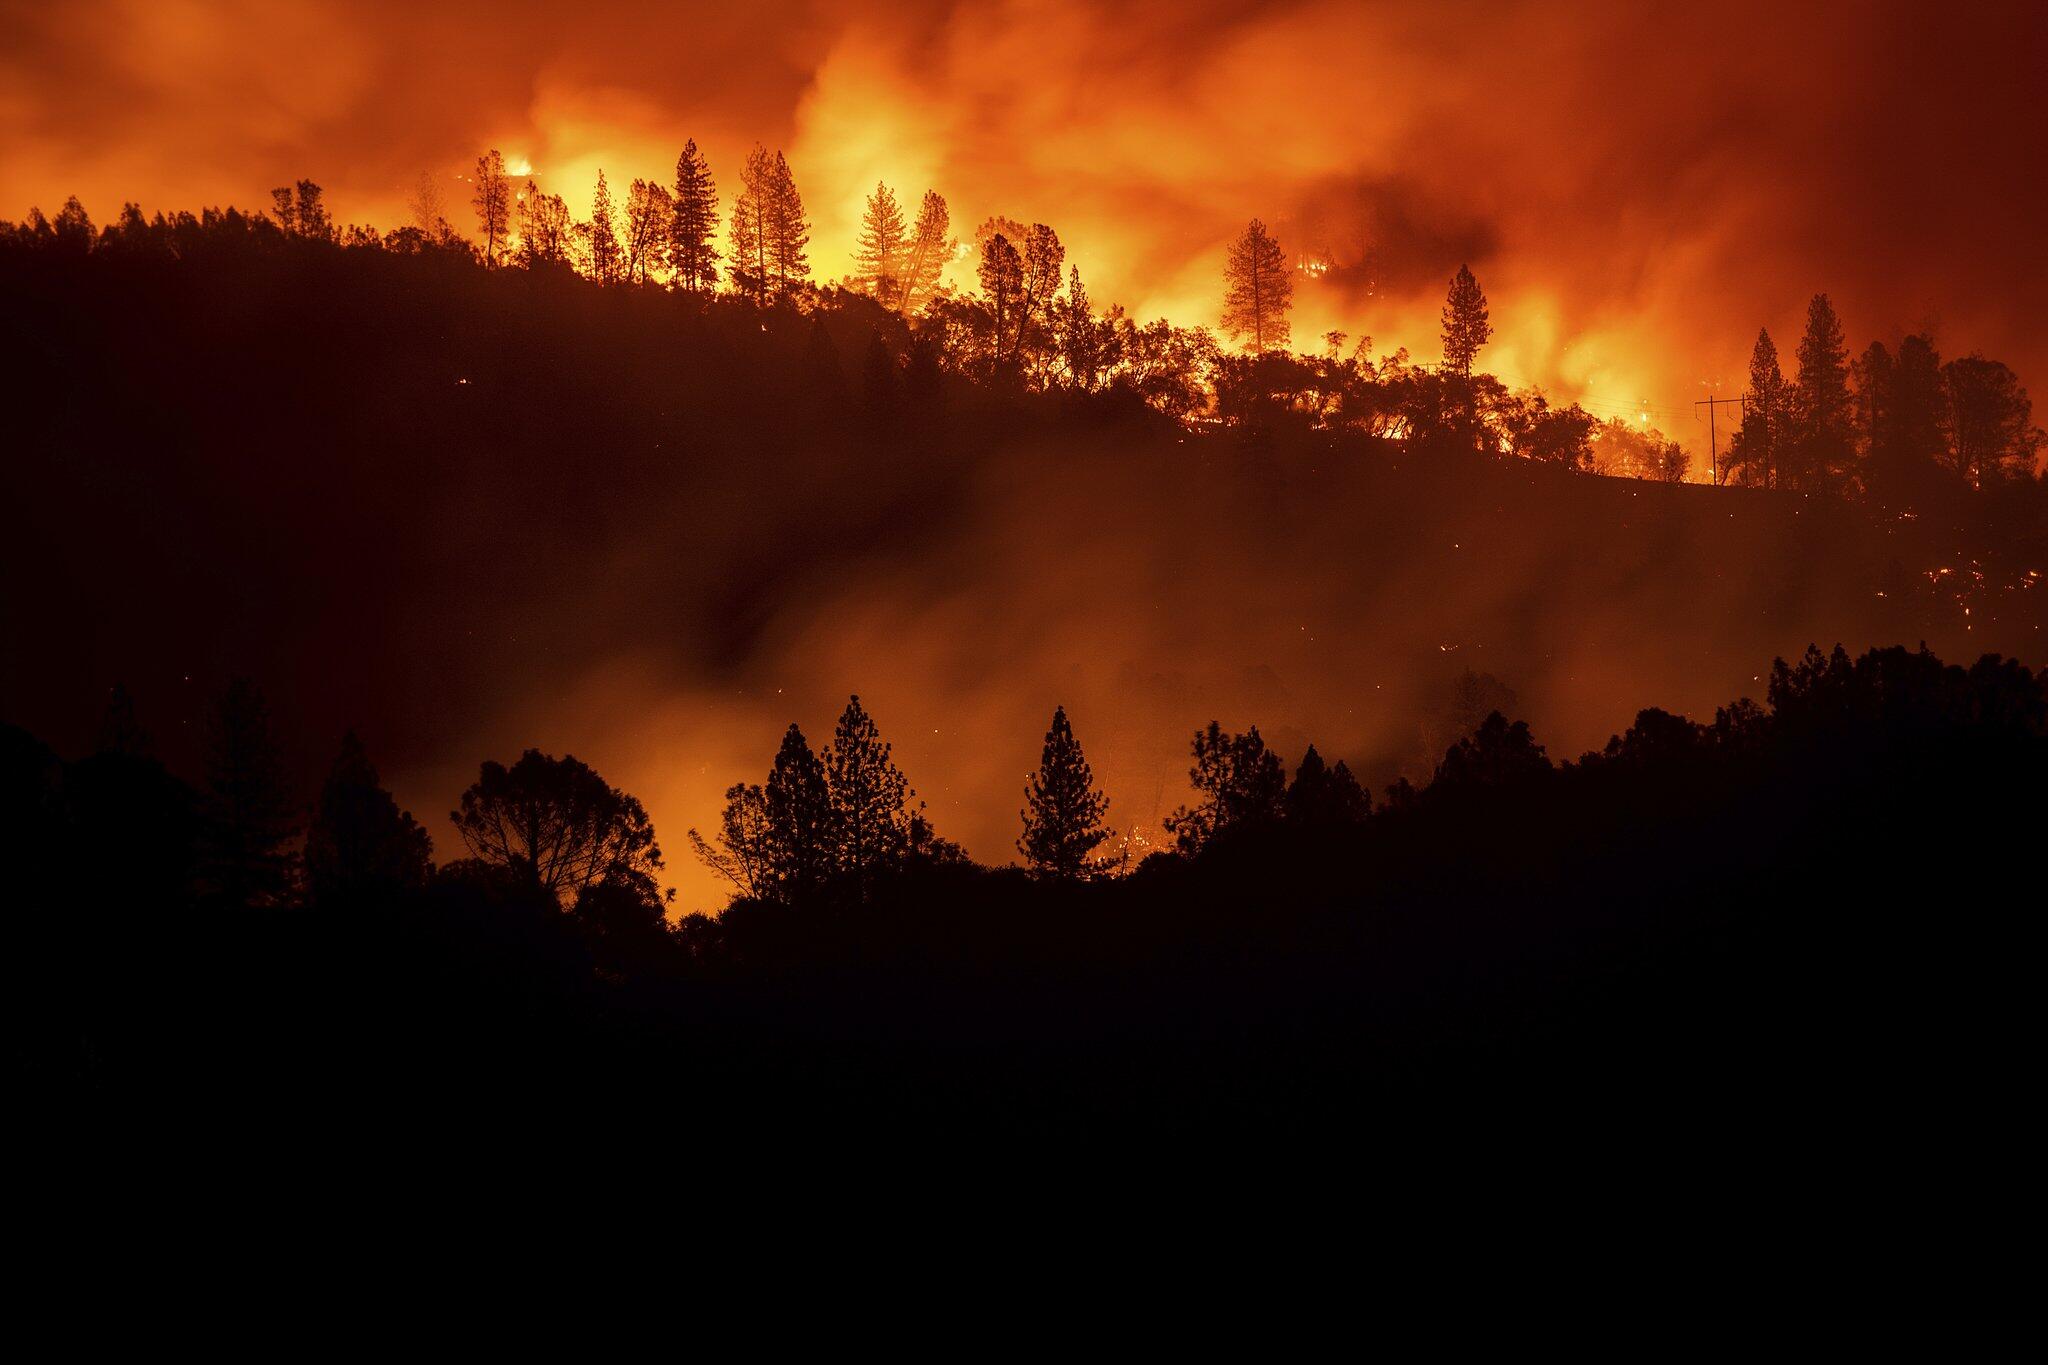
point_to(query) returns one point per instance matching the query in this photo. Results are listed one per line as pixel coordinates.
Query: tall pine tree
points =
(607, 260)
(493, 204)
(869, 796)
(878, 254)
(1467, 326)
(751, 216)
(1754, 452)
(787, 230)
(1043, 256)
(1240, 781)
(1325, 797)
(1823, 418)
(796, 807)
(692, 248)
(929, 251)
(362, 850)
(1002, 291)
(1062, 810)
(250, 819)
(1258, 290)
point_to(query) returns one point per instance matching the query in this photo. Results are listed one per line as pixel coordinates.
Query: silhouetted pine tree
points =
(1002, 291)
(1823, 421)
(493, 204)
(72, 232)
(607, 262)
(1497, 754)
(786, 229)
(1258, 290)
(1043, 256)
(298, 209)
(1240, 781)
(750, 227)
(1913, 438)
(1754, 451)
(868, 798)
(1466, 324)
(362, 849)
(250, 818)
(1062, 810)
(798, 809)
(878, 254)
(1079, 337)
(929, 251)
(1325, 797)
(545, 229)
(692, 249)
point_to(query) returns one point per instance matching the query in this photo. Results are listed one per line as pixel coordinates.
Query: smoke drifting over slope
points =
(1638, 187)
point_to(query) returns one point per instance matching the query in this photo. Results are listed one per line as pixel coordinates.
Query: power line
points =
(1713, 404)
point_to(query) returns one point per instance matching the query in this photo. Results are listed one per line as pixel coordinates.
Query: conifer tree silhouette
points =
(493, 203)
(868, 800)
(692, 242)
(1322, 796)
(1823, 435)
(246, 858)
(1002, 290)
(751, 224)
(786, 229)
(362, 849)
(929, 251)
(878, 255)
(1241, 783)
(1467, 326)
(1754, 450)
(1043, 256)
(607, 262)
(1258, 290)
(797, 807)
(1062, 810)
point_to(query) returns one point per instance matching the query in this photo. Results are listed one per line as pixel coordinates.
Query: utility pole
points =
(1711, 404)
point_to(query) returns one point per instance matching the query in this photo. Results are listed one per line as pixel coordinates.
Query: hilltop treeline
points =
(1705, 911)
(1901, 429)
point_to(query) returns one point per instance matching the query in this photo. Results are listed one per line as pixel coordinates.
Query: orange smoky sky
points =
(1638, 186)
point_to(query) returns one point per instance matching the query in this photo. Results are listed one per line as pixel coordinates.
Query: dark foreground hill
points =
(1801, 933)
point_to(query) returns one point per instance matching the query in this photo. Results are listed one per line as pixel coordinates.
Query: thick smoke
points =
(1639, 187)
